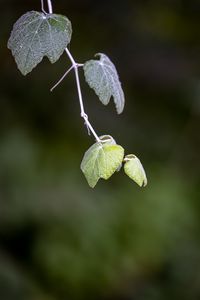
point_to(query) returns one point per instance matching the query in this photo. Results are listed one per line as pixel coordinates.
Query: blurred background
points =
(59, 239)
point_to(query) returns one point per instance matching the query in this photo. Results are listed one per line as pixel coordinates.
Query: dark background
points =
(59, 239)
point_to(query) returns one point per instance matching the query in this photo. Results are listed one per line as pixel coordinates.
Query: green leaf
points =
(101, 75)
(101, 160)
(134, 169)
(36, 35)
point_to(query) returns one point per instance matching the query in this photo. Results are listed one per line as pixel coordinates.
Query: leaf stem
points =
(49, 6)
(61, 79)
(74, 66)
(42, 6)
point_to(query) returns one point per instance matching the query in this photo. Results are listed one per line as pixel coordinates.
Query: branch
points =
(74, 66)
(50, 6)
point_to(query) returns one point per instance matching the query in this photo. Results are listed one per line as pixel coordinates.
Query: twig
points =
(61, 79)
(74, 66)
(50, 8)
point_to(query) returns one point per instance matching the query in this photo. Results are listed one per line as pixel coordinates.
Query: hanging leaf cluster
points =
(36, 35)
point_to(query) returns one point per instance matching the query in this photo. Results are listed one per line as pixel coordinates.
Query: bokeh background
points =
(59, 239)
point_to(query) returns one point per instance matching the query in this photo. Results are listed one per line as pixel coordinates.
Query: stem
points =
(74, 66)
(61, 79)
(42, 5)
(50, 8)
(83, 114)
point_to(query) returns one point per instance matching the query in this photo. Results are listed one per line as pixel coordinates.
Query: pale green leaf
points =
(36, 35)
(134, 169)
(101, 75)
(101, 160)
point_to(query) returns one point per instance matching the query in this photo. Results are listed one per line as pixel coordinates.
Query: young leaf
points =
(101, 160)
(36, 35)
(101, 75)
(134, 169)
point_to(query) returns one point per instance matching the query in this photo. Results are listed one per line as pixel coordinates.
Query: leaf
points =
(36, 35)
(102, 77)
(134, 169)
(101, 160)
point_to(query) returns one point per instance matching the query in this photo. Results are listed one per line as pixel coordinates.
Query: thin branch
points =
(75, 66)
(70, 56)
(61, 79)
(50, 8)
(50, 11)
(83, 114)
